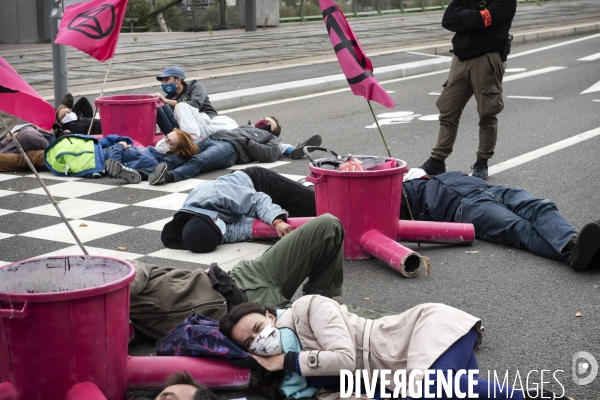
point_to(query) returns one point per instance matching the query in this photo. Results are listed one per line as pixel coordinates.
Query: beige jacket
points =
(408, 341)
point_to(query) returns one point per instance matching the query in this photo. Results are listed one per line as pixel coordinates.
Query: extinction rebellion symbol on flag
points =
(94, 23)
(345, 43)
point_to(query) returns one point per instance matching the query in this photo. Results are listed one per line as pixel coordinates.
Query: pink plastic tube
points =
(402, 259)
(435, 232)
(260, 230)
(85, 391)
(8, 392)
(150, 372)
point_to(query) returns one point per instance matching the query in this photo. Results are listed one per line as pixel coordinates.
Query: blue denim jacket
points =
(233, 199)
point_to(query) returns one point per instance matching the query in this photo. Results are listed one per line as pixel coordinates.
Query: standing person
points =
(177, 90)
(481, 44)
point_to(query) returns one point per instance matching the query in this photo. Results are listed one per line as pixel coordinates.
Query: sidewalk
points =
(232, 64)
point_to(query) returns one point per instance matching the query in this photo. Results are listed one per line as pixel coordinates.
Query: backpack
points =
(75, 155)
(199, 336)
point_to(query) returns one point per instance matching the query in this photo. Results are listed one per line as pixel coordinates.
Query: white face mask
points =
(162, 146)
(268, 342)
(70, 117)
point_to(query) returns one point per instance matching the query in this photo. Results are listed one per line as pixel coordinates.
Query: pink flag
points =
(355, 64)
(93, 27)
(19, 99)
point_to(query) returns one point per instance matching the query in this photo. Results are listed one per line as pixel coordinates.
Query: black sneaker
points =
(433, 166)
(480, 169)
(298, 152)
(545, 394)
(160, 176)
(117, 170)
(585, 246)
(68, 100)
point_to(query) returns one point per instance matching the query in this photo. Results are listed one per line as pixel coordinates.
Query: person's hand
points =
(160, 96)
(283, 229)
(9, 138)
(270, 363)
(125, 144)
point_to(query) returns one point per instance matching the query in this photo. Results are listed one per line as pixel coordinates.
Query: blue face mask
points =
(169, 88)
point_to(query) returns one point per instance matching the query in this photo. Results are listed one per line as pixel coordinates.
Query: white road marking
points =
(530, 97)
(531, 73)
(310, 96)
(424, 54)
(434, 94)
(532, 155)
(593, 57)
(515, 69)
(553, 46)
(598, 100)
(594, 88)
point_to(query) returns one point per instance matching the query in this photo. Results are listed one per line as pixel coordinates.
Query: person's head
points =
(270, 124)
(243, 324)
(61, 111)
(182, 386)
(180, 142)
(201, 234)
(252, 327)
(171, 78)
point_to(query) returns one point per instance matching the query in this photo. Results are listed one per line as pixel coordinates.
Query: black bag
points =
(506, 50)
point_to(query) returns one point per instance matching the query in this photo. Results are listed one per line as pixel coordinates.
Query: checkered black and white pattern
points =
(106, 214)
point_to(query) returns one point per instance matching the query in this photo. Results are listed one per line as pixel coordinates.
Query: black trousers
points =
(296, 199)
(83, 108)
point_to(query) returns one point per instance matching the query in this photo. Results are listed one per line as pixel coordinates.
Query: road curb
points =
(304, 87)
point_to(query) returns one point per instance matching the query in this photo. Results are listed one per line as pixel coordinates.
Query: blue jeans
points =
(461, 356)
(166, 119)
(514, 217)
(214, 154)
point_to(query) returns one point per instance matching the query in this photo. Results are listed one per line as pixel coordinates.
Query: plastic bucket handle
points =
(314, 178)
(11, 313)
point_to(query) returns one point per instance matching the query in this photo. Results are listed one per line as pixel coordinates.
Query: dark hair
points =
(276, 131)
(262, 382)
(185, 378)
(238, 312)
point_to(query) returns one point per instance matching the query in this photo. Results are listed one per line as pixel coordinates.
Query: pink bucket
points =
(132, 115)
(362, 200)
(64, 320)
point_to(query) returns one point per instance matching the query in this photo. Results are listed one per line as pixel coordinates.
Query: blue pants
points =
(461, 355)
(514, 217)
(165, 119)
(214, 154)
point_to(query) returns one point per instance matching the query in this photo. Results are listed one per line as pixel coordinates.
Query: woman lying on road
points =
(223, 210)
(76, 119)
(312, 342)
(132, 164)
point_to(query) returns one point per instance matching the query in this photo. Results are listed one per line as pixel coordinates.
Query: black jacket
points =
(82, 125)
(251, 144)
(437, 199)
(196, 96)
(481, 26)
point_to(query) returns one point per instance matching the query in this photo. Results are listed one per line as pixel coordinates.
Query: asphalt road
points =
(527, 303)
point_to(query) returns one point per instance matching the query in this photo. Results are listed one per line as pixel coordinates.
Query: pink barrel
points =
(132, 115)
(63, 320)
(362, 200)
